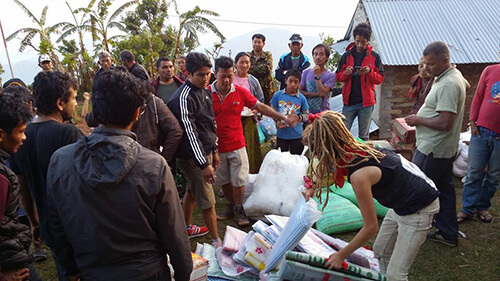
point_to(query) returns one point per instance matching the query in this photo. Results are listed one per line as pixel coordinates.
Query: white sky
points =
(325, 16)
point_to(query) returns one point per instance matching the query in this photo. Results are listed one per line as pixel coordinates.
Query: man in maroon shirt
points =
(228, 102)
(484, 148)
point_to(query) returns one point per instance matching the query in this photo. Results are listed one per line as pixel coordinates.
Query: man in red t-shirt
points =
(228, 103)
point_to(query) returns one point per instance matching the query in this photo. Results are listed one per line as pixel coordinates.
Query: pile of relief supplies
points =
(282, 244)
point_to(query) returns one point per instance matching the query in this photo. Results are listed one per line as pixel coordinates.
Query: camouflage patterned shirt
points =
(262, 68)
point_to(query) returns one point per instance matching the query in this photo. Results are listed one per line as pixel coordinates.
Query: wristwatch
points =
(317, 77)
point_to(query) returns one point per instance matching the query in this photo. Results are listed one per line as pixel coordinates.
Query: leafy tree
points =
(190, 23)
(216, 48)
(151, 36)
(69, 51)
(84, 61)
(334, 58)
(101, 21)
(45, 46)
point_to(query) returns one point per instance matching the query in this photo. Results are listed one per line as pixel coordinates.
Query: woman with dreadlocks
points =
(383, 175)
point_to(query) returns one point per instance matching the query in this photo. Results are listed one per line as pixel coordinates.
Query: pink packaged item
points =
(233, 239)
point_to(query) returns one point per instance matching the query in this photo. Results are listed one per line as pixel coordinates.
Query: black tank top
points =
(402, 187)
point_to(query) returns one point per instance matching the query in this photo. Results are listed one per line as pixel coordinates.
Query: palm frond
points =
(43, 18)
(66, 34)
(121, 9)
(27, 40)
(22, 31)
(26, 11)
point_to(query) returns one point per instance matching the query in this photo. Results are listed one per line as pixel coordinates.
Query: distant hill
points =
(276, 42)
(26, 70)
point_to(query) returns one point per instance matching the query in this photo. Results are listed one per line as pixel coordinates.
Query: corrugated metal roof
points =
(402, 29)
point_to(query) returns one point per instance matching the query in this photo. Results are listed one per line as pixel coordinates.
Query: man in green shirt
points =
(438, 124)
(261, 66)
(166, 83)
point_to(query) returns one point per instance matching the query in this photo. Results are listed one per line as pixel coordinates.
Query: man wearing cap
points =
(45, 63)
(293, 60)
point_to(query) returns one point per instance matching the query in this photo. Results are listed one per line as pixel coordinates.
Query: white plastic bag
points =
(275, 190)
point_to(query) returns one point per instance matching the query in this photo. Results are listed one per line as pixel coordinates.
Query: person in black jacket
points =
(16, 259)
(113, 206)
(293, 60)
(197, 154)
(128, 60)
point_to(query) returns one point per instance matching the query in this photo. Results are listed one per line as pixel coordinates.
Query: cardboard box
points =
(200, 268)
(405, 132)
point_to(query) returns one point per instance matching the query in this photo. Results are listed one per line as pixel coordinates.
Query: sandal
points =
(484, 216)
(461, 217)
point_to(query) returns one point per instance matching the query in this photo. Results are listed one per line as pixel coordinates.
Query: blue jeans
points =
(364, 115)
(439, 170)
(479, 186)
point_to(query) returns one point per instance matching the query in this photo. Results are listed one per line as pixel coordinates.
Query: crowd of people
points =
(107, 205)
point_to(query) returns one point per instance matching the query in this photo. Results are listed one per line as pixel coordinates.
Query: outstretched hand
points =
(292, 120)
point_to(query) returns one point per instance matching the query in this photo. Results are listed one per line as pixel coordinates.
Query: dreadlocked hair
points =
(330, 143)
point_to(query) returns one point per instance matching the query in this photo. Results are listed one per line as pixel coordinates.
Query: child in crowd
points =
(396, 183)
(16, 261)
(290, 102)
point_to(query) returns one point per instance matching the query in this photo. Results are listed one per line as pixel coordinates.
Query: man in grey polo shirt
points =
(438, 124)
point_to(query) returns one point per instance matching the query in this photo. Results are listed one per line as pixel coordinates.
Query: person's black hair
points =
(14, 111)
(127, 55)
(196, 60)
(260, 36)
(224, 63)
(48, 87)
(239, 55)
(294, 73)
(181, 57)
(160, 59)
(438, 48)
(325, 47)
(19, 91)
(363, 29)
(116, 95)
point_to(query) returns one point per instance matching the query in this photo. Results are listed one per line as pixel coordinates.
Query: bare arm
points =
(362, 181)
(85, 108)
(443, 122)
(29, 207)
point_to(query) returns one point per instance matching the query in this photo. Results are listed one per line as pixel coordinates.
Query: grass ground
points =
(476, 257)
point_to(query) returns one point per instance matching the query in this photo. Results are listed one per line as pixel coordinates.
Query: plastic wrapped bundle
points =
(276, 188)
(361, 256)
(208, 252)
(233, 239)
(348, 193)
(310, 243)
(304, 215)
(292, 270)
(348, 267)
(257, 251)
(339, 214)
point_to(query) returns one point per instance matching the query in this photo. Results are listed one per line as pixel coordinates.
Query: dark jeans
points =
(295, 146)
(439, 170)
(61, 271)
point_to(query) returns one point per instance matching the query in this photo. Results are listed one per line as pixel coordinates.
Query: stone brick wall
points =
(393, 101)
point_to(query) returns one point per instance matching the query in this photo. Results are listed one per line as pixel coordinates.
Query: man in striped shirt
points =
(197, 154)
